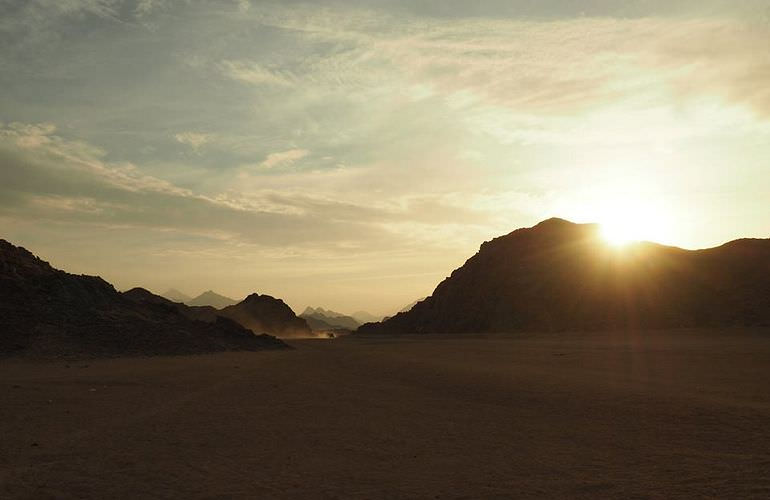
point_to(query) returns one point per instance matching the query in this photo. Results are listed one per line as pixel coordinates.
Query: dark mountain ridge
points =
(207, 314)
(48, 312)
(560, 276)
(260, 313)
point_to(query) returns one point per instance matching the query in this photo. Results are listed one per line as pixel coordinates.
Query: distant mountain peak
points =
(326, 312)
(175, 295)
(325, 319)
(257, 298)
(211, 298)
(365, 317)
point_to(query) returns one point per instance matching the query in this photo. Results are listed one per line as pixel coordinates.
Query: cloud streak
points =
(284, 158)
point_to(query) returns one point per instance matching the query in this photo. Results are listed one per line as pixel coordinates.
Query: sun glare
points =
(617, 234)
(625, 222)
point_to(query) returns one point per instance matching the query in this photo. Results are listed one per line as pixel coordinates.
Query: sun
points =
(618, 234)
(627, 221)
(626, 210)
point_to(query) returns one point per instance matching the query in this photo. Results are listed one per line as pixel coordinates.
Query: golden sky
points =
(351, 154)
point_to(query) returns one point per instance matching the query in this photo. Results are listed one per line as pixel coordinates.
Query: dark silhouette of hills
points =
(560, 276)
(264, 313)
(210, 298)
(260, 313)
(323, 319)
(45, 311)
(200, 313)
(175, 295)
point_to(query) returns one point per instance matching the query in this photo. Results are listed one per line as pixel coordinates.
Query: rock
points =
(559, 276)
(263, 313)
(51, 313)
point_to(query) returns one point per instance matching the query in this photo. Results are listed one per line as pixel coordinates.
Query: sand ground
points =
(643, 415)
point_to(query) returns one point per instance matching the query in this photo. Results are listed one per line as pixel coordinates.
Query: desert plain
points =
(646, 414)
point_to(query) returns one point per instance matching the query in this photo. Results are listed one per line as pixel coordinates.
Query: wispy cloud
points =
(284, 158)
(145, 7)
(254, 73)
(193, 139)
(29, 135)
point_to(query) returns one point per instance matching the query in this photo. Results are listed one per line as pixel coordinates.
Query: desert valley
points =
(384, 249)
(539, 368)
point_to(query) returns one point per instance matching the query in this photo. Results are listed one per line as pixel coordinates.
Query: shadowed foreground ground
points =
(648, 415)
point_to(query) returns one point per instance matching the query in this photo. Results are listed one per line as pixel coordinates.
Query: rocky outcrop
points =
(562, 276)
(48, 312)
(263, 313)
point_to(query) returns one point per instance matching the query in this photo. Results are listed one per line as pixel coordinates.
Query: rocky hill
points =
(48, 312)
(263, 313)
(562, 276)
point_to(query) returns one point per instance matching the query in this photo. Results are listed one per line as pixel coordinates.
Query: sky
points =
(351, 154)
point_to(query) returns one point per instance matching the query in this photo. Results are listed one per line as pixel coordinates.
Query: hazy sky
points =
(351, 154)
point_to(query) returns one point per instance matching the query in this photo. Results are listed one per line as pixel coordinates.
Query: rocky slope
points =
(48, 312)
(561, 276)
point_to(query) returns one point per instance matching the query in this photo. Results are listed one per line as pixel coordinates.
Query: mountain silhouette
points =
(316, 323)
(210, 298)
(263, 313)
(365, 317)
(200, 313)
(259, 313)
(175, 295)
(559, 276)
(323, 319)
(48, 312)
